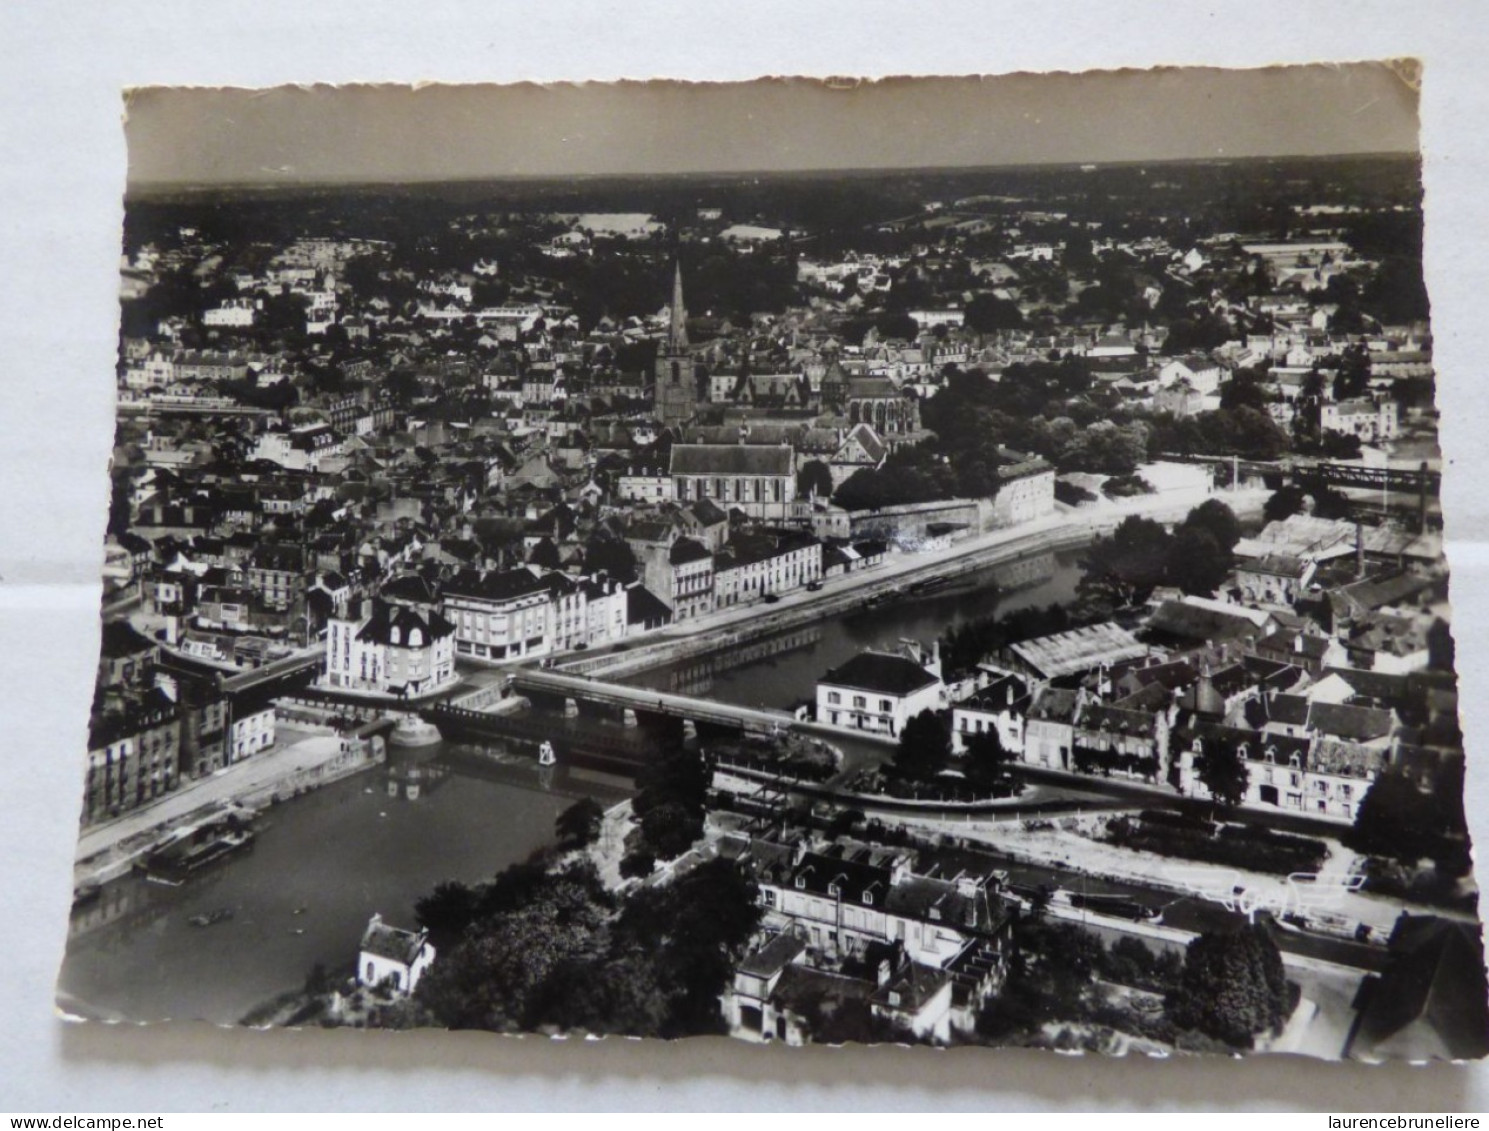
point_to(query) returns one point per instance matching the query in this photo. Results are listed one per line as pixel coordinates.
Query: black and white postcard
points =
(938, 561)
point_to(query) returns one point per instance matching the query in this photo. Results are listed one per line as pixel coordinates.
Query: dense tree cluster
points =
(579, 824)
(909, 475)
(925, 747)
(1321, 502)
(964, 646)
(1407, 820)
(1243, 431)
(1123, 570)
(669, 806)
(556, 951)
(1233, 986)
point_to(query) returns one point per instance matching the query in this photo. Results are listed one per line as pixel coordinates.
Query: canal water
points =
(782, 670)
(321, 865)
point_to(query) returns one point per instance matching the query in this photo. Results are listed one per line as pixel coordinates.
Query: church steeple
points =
(677, 335)
(676, 386)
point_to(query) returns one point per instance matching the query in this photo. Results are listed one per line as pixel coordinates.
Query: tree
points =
(814, 476)
(1403, 821)
(1124, 569)
(446, 912)
(1330, 502)
(544, 554)
(697, 926)
(638, 864)
(1283, 503)
(1214, 516)
(1353, 378)
(669, 829)
(670, 804)
(1244, 390)
(612, 994)
(579, 824)
(987, 314)
(1233, 986)
(612, 556)
(925, 747)
(1223, 772)
(402, 385)
(1197, 563)
(495, 977)
(986, 759)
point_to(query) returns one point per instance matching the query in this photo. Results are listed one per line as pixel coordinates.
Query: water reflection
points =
(322, 864)
(782, 669)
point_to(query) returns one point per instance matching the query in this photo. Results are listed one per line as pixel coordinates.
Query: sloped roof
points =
(730, 459)
(882, 673)
(642, 606)
(1066, 653)
(397, 624)
(406, 587)
(494, 585)
(1430, 1001)
(392, 943)
(686, 550)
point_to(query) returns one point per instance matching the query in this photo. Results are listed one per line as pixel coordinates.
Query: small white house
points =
(393, 957)
(879, 692)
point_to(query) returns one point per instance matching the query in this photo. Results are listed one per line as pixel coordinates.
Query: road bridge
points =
(284, 675)
(575, 689)
(286, 668)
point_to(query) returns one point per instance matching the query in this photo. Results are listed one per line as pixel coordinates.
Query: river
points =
(133, 954)
(782, 669)
(324, 862)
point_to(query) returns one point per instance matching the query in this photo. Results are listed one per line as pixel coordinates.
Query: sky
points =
(291, 135)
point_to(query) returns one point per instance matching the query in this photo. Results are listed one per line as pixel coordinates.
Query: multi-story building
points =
(251, 732)
(692, 579)
(842, 903)
(300, 449)
(1026, 489)
(753, 565)
(499, 615)
(997, 708)
(276, 574)
(237, 313)
(133, 757)
(393, 650)
(1371, 421)
(758, 480)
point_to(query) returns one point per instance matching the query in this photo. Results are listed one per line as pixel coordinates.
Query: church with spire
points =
(676, 388)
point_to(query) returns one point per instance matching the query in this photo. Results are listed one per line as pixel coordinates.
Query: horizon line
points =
(132, 186)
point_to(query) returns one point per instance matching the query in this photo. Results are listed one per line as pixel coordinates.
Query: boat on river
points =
(930, 584)
(190, 849)
(219, 915)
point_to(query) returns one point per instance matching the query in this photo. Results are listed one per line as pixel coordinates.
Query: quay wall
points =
(870, 583)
